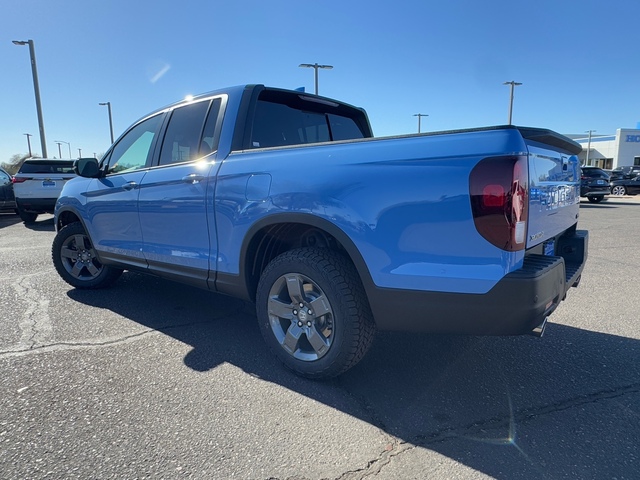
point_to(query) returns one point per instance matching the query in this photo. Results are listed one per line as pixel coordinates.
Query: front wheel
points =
(313, 312)
(619, 190)
(76, 260)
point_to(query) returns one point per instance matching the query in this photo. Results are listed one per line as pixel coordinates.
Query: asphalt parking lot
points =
(150, 379)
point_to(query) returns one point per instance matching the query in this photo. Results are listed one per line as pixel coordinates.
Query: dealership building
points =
(610, 151)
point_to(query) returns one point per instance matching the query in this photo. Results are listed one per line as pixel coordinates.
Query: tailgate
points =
(42, 185)
(554, 184)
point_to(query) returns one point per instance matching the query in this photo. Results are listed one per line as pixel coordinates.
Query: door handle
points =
(193, 178)
(129, 186)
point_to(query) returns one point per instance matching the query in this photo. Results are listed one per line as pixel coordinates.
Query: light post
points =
(59, 150)
(420, 115)
(36, 87)
(29, 143)
(108, 104)
(513, 85)
(586, 162)
(79, 153)
(68, 145)
(315, 66)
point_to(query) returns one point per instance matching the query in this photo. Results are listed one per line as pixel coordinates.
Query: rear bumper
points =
(518, 304)
(36, 205)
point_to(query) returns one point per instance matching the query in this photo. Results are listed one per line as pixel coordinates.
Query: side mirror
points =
(87, 167)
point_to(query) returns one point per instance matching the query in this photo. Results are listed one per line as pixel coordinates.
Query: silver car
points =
(38, 184)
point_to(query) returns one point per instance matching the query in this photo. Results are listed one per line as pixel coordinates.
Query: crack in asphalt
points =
(35, 323)
(524, 415)
(37, 329)
(22, 349)
(18, 352)
(399, 447)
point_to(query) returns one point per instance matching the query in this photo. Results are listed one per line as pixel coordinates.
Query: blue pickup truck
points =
(287, 200)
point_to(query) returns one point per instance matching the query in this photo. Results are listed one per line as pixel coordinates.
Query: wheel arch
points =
(276, 234)
(66, 216)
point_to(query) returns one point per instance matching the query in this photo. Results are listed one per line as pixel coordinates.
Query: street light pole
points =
(59, 150)
(108, 104)
(36, 87)
(420, 115)
(68, 145)
(513, 84)
(29, 143)
(586, 162)
(315, 66)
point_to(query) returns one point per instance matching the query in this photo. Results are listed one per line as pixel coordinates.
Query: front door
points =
(112, 200)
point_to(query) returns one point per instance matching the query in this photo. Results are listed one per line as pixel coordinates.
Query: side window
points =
(210, 135)
(133, 151)
(343, 128)
(182, 138)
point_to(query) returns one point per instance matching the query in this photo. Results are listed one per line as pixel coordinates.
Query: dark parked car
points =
(7, 199)
(625, 173)
(630, 186)
(594, 184)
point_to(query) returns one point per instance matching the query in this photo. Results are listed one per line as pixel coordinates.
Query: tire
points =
(76, 260)
(27, 217)
(618, 190)
(597, 199)
(313, 312)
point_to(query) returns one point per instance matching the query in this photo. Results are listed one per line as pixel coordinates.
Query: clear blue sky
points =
(578, 61)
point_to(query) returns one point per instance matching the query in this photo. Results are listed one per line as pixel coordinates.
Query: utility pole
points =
(29, 143)
(36, 87)
(513, 84)
(315, 66)
(108, 104)
(586, 162)
(420, 115)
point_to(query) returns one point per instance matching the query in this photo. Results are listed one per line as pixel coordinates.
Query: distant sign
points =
(633, 138)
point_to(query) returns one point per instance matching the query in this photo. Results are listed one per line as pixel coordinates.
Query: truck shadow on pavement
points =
(564, 406)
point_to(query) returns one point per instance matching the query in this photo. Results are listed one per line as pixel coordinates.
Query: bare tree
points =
(15, 162)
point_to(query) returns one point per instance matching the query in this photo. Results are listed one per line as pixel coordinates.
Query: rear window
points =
(47, 166)
(283, 118)
(594, 172)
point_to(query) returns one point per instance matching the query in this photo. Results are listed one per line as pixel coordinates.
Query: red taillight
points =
(499, 191)
(19, 179)
(493, 196)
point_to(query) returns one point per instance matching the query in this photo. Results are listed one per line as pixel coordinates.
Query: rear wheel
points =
(597, 199)
(76, 260)
(27, 217)
(619, 190)
(313, 312)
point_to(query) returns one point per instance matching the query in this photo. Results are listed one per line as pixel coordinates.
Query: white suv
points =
(38, 184)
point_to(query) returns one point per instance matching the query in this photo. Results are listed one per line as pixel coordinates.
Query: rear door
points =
(176, 196)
